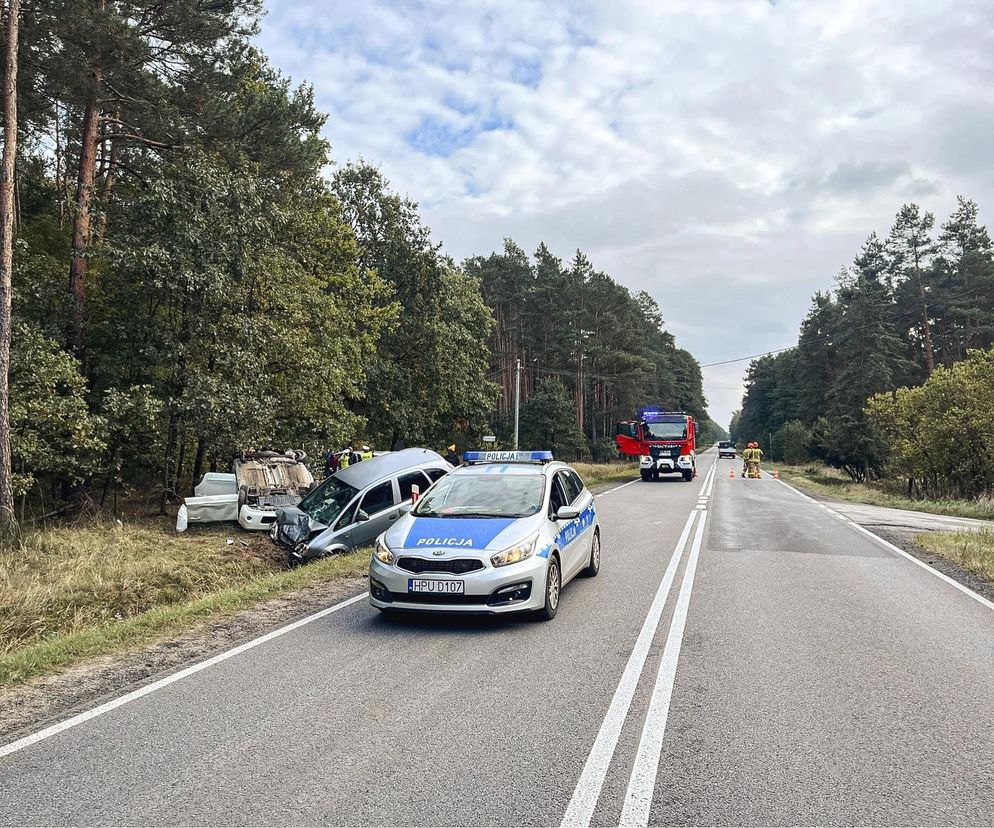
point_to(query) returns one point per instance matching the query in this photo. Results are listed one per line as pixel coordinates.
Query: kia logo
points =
(438, 552)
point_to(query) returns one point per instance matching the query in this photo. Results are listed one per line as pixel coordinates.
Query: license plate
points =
(432, 585)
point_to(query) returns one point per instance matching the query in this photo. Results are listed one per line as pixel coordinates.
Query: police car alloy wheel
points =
(553, 590)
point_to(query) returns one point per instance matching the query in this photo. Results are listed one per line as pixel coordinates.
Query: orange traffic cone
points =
(776, 475)
(731, 474)
(695, 471)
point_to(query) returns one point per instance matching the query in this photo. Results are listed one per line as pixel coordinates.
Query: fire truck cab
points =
(664, 441)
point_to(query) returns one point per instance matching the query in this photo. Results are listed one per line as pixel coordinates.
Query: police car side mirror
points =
(567, 513)
(361, 516)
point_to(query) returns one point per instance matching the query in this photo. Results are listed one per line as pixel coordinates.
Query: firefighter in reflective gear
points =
(751, 459)
(746, 454)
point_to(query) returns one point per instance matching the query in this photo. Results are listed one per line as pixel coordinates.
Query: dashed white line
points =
(638, 797)
(59, 727)
(588, 787)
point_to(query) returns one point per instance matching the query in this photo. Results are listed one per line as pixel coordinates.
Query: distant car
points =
(502, 533)
(355, 504)
(726, 448)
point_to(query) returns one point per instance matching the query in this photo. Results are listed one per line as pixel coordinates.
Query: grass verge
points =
(597, 474)
(73, 593)
(971, 550)
(831, 483)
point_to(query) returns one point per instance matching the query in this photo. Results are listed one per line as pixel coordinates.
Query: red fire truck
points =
(665, 442)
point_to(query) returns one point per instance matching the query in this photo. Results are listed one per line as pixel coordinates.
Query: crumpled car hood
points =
(294, 526)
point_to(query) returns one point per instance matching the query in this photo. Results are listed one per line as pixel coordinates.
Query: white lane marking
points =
(638, 797)
(896, 549)
(588, 786)
(629, 483)
(59, 727)
(709, 479)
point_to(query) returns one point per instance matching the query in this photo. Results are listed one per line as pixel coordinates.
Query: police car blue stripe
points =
(454, 533)
(571, 531)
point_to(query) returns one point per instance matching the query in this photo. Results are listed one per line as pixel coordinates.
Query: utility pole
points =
(517, 399)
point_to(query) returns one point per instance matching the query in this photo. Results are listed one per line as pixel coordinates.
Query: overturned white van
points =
(259, 484)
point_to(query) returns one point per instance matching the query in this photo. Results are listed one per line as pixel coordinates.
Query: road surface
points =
(907, 521)
(746, 656)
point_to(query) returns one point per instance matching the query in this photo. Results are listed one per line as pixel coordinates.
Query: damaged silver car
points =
(354, 505)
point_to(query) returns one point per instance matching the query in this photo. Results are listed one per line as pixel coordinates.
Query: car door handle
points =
(394, 516)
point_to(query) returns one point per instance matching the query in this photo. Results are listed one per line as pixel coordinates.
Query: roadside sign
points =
(490, 438)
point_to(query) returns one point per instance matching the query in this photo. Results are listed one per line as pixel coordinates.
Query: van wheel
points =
(688, 476)
(646, 475)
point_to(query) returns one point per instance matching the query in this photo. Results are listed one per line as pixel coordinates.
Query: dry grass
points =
(595, 474)
(74, 592)
(971, 550)
(831, 483)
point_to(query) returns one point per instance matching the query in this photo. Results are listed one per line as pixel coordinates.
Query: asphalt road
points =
(745, 656)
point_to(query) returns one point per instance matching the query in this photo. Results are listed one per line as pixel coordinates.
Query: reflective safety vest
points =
(366, 455)
(345, 461)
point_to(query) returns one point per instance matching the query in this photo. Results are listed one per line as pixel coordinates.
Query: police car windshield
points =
(483, 495)
(325, 503)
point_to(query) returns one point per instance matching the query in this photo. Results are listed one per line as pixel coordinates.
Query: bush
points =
(940, 435)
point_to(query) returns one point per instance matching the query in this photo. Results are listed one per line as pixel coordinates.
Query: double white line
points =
(638, 797)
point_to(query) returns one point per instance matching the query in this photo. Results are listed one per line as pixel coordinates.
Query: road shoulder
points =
(902, 527)
(41, 701)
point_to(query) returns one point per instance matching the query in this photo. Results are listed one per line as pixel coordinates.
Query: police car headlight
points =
(274, 531)
(382, 552)
(515, 554)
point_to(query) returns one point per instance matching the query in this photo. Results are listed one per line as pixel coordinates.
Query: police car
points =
(502, 533)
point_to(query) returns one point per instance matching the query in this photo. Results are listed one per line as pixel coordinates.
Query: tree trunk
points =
(82, 216)
(8, 519)
(926, 332)
(198, 460)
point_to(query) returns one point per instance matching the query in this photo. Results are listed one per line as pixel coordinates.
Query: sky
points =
(727, 156)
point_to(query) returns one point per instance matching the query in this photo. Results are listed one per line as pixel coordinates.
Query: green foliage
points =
(52, 431)
(548, 421)
(791, 443)
(606, 345)
(429, 379)
(940, 435)
(903, 305)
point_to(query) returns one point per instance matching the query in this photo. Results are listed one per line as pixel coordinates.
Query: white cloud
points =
(726, 155)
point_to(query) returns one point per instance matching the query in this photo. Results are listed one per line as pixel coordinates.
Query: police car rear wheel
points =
(595, 557)
(553, 590)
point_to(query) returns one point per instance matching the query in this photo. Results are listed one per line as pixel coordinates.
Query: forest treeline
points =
(189, 280)
(891, 372)
(584, 341)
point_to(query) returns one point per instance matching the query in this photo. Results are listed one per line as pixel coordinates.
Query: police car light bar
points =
(507, 457)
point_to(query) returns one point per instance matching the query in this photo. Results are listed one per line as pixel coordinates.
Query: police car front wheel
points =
(553, 590)
(595, 557)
